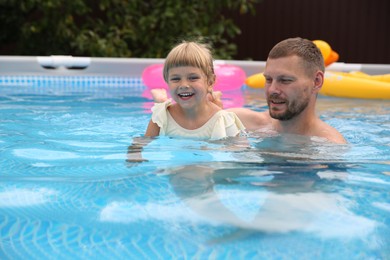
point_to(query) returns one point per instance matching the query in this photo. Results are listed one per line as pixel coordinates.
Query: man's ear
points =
(318, 80)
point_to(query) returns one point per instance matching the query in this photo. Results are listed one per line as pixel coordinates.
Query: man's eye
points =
(268, 81)
(286, 81)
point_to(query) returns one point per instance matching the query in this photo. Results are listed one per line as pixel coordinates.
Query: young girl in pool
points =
(189, 73)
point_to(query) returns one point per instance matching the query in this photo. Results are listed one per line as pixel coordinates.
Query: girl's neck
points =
(193, 118)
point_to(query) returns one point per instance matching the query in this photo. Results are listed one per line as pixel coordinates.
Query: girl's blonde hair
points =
(194, 54)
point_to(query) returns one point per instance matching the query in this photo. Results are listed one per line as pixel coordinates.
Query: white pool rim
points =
(132, 67)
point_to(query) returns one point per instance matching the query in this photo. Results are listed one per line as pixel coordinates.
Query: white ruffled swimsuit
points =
(222, 124)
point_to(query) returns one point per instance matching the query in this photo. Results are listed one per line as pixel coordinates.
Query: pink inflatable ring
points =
(229, 77)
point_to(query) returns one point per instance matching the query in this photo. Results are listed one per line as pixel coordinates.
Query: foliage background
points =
(117, 28)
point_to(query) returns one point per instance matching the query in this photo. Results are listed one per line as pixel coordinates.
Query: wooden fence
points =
(359, 30)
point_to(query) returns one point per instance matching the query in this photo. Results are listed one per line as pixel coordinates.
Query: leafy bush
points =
(116, 28)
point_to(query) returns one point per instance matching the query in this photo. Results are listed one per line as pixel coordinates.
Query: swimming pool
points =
(67, 191)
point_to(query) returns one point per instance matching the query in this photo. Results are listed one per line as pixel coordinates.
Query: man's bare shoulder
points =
(330, 133)
(252, 120)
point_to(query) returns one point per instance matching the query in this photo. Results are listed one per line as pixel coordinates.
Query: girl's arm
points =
(134, 151)
(152, 130)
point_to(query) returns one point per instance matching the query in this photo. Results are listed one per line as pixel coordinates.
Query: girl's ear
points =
(211, 81)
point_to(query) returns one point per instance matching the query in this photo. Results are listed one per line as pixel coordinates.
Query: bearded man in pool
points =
(294, 74)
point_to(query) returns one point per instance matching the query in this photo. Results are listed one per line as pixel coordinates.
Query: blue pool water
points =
(67, 190)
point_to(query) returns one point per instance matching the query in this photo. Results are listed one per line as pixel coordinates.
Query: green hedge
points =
(117, 28)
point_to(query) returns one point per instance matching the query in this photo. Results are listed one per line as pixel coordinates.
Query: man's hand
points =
(215, 97)
(159, 95)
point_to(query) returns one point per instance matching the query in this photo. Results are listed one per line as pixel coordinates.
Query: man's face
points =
(288, 88)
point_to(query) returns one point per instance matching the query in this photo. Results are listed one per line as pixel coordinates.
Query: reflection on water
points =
(281, 184)
(279, 201)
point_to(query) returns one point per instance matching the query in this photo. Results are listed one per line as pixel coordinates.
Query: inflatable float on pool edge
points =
(228, 77)
(328, 54)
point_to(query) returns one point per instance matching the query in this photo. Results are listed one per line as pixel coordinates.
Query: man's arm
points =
(252, 120)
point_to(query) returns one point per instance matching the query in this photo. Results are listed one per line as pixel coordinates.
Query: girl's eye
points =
(193, 78)
(174, 79)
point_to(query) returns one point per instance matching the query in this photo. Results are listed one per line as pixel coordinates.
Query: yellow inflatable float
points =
(341, 84)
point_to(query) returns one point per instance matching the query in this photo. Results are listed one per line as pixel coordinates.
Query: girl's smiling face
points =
(188, 86)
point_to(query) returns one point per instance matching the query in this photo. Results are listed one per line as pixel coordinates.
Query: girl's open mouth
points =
(185, 95)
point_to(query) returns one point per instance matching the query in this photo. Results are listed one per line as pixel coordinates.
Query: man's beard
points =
(293, 109)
